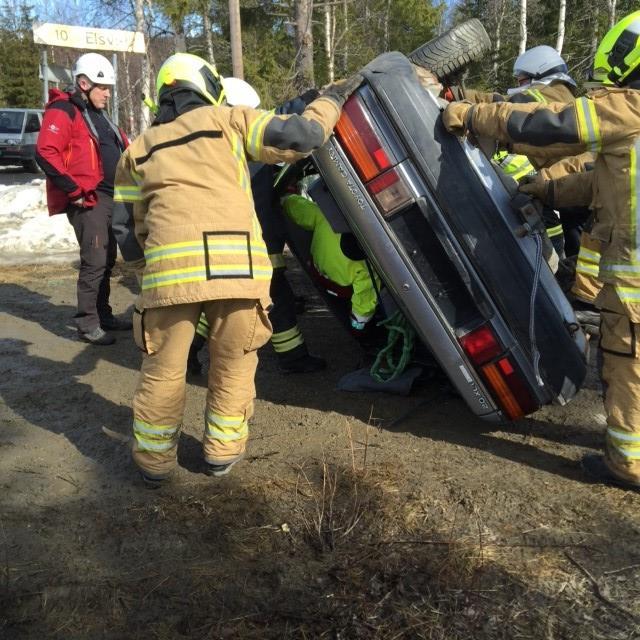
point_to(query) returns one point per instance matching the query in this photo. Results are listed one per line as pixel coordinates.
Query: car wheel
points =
(454, 50)
(31, 166)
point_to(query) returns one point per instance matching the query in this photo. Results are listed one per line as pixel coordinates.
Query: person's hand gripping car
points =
(457, 117)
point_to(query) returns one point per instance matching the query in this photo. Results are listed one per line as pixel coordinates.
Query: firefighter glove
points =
(456, 117)
(537, 187)
(339, 91)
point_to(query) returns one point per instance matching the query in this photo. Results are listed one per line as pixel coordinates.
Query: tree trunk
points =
(523, 26)
(145, 72)
(612, 12)
(386, 25)
(304, 77)
(500, 11)
(329, 35)
(129, 109)
(345, 29)
(206, 25)
(595, 36)
(561, 19)
(235, 30)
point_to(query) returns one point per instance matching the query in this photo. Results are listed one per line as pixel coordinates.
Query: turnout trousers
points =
(620, 349)
(98, 252)
(238, 327)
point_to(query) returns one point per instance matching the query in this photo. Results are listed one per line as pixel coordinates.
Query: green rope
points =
(400, 334)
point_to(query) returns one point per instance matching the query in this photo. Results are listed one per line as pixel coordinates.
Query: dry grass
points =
(328, 550)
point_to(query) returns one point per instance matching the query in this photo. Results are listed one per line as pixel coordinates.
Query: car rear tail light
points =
(481, 345)
(390, 191)
(501, 375)
(360, 141)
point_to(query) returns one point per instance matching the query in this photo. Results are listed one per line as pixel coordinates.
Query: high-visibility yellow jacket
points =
(330, 261)
(194, 215)
(606, 122)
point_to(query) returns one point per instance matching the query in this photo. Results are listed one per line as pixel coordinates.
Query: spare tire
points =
(454, 50)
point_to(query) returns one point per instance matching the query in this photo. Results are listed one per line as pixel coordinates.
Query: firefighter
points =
(337, 264)
(542, 76)
(188, 180)
(607, 122)
(287, 339)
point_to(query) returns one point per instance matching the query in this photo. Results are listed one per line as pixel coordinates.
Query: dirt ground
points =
(354, 515)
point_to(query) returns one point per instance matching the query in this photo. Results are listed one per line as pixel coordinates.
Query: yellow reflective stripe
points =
(635, 198)
(177, 254)
(284, 341)
(588, 124)
(155, 437)
(173, 276)
(628, 294)
(587, 255)
(588, 269)
(277, 260)
(202, 328)
(552, 232)
(127, 194)
(624, 435)
(161, 248)
(226, 428)
(256, 132)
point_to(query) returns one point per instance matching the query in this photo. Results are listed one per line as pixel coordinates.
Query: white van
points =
(19, 130)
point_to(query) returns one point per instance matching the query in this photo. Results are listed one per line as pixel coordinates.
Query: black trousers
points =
(97, 256)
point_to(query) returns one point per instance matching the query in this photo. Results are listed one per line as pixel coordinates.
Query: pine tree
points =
(19, 57)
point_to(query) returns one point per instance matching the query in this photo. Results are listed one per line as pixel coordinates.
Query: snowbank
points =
(27, 233)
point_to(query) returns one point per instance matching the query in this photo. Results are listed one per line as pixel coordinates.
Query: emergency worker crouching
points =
(188, 180)
(606, 122)
(337, 263)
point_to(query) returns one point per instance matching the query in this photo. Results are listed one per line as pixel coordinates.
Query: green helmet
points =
(184, 70)
(618, 55)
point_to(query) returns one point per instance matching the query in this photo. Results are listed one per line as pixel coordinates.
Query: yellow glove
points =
(537, 187)
(455, 117)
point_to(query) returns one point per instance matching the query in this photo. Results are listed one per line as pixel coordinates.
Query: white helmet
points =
(96, 67)
(539, 62)
(240, 93)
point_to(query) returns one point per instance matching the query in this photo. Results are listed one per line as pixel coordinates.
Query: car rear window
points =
(11, 121)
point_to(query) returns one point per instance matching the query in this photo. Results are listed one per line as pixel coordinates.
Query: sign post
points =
(61, 35)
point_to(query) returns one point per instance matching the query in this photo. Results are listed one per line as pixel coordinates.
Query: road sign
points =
(61, 35)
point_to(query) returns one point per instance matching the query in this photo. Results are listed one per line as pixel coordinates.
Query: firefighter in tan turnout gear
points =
(188, 180)
(608, 123)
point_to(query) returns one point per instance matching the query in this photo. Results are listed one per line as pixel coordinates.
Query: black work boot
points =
(597, 470)
(112, 323)
(305, 363)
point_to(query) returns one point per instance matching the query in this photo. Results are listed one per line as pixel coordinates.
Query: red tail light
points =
(360, 141)
(481, 345)
(483, 348)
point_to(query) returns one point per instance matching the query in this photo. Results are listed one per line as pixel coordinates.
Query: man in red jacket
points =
(78, 149)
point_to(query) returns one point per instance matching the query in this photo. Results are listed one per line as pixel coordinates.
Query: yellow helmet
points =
(618, 55)
(184, 70)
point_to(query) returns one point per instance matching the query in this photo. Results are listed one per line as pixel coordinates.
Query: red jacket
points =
(68, 151)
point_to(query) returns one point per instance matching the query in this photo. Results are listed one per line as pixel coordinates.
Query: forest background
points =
(291, 45)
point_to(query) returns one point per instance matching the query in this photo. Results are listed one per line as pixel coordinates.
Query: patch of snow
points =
(27, 232)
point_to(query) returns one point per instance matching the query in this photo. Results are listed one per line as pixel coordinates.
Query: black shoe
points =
(116, 324)
(598, 471)
(153, 483)
(219, 470)
(97, 336)
(304, 364)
